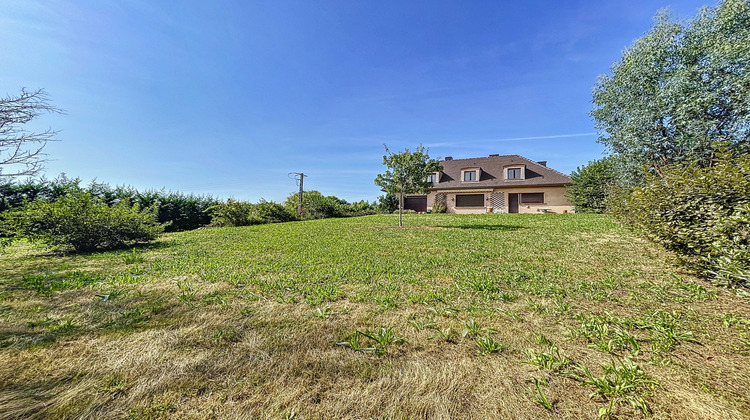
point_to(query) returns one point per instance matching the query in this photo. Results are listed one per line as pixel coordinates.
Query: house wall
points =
(554, 197)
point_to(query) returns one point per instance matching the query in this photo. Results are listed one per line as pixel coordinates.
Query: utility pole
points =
(300, 178)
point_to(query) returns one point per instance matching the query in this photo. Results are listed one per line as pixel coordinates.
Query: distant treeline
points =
(180, 211)
(189, 211)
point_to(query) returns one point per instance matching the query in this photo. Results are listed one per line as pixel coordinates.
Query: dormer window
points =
(470, 175)
(432, 178)
(514, 173)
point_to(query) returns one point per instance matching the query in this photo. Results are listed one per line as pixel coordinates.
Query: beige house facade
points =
(495, 184)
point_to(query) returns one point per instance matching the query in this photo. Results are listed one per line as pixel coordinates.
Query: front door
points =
(512, 203)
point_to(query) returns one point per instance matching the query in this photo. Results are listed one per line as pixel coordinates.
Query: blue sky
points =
(227, 97)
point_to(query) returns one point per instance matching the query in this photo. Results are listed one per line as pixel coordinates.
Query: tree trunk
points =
(400, 209)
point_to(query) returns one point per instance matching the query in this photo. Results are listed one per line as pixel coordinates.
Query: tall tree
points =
(21, 151)
(407, 174)
(591, 185)
(677, 91)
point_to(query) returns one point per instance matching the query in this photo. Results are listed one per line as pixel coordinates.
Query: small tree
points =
(407, 174)
(591, 186)
(20, 150)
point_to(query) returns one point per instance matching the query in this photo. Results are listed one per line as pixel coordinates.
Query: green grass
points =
(450, 316)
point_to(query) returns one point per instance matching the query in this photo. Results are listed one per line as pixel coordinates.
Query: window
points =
(514, 173)
(532, 198)
(470, 176)
(470, 200)
(432, 177)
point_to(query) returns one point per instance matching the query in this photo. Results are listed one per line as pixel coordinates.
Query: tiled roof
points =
(493, 174)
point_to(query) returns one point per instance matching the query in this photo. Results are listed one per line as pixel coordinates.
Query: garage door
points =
(417, 203)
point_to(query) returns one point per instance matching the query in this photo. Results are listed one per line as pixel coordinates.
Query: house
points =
(495, 184)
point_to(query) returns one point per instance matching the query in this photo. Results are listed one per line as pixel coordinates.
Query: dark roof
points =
(492, 174)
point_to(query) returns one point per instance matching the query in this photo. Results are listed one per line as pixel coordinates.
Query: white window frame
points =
(436, 175)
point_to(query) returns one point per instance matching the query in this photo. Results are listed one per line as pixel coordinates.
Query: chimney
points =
(449, 158)
(495, 155)
(543, 163)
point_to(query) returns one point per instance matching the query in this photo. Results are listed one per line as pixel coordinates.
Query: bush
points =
(591, 186)
(703, 214)
(439, 208)
(240, 213)
(82, 222)
(270, 212)
(318, 206)
(324, 207)
(360, 208)
(234, 213)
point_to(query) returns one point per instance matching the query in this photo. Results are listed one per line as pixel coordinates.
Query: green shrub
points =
(323, 207)
(318, 206)
(703, 214)
(439, 208)
(184, 211)
(82, 222)
(241, 213)
(270, 212)
(359, 208)
(591, 185)
(234, 213)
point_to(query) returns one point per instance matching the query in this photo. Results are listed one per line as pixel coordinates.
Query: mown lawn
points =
(487, 316)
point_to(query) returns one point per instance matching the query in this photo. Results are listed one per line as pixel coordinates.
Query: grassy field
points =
(487, 316)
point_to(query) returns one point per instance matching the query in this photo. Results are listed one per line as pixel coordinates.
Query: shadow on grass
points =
(478, 226)
(162, 244)
(52, 251)
(133, 313)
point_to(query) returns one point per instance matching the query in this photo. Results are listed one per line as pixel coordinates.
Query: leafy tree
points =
(308, 200)
(407, 174)
(21, 151)
(388, 203)
(677, 90)
(591, 186)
